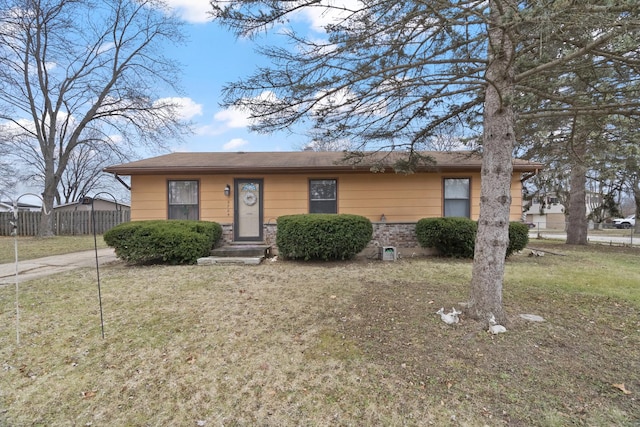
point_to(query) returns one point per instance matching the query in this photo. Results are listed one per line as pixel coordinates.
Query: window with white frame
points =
(323, 196)
(457, 200)
(183, 200)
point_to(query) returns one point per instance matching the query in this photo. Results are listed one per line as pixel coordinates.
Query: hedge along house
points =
(246, 192)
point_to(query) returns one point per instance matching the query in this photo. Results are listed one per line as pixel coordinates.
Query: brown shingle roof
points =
(293, 162)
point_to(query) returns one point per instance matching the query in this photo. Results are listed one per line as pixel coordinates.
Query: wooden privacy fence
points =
(64, 222)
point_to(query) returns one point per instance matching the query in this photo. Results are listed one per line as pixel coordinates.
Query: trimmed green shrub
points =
(452, 237)
(322, 236)
(163, 241)
(456, 237)
(518, 237)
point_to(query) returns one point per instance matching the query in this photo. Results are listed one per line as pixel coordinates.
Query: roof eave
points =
(291, 170)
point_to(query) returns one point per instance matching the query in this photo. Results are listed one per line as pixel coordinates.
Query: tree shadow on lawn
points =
(564, 369)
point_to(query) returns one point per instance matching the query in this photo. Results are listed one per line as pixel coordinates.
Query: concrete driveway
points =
(40, 267)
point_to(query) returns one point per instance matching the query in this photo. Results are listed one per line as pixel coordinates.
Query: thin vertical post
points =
(15, 251)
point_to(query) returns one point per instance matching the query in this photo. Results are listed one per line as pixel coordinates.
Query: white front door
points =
(248, 210)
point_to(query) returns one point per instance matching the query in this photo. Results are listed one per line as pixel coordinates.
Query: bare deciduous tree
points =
(7, 172)
(79, 73)
(83, 175)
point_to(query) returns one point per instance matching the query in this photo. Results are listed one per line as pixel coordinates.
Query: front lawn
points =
(34, 247)
(357, 343)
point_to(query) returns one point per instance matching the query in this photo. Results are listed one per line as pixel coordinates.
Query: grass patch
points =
(601, 270)
(353, 343)
(34, 247)
(331, 344)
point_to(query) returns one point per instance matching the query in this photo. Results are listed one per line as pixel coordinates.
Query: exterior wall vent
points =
(388, 253)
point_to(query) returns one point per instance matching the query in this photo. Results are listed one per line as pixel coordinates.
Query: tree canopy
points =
(394, 74)
(84, 75)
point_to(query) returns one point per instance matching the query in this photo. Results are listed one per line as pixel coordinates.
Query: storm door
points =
(248, 210)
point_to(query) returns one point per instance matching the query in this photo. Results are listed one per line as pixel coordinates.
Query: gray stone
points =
(532, 317)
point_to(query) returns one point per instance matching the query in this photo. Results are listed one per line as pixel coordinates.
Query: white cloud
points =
(233, 118)
(116, 139)
(334, 100)
(187, 107)
(194, 11)
(234, 144)
(329, 12)
(209, 130)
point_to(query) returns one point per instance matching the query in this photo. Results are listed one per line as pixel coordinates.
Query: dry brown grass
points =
(34, 247)
(323, 344)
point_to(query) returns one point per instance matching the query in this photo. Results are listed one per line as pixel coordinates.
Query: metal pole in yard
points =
(15, 250)
(95, 245)
(14, 232)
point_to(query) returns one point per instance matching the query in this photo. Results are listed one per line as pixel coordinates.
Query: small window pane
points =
(322, 196)
(183, 200)
(456, 208)
(456, 188)
(183, 192)
(324, 189)
(456, 198)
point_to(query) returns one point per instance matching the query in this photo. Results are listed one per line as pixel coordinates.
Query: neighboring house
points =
(247, 192)
(548, 212)
(7, 206)
(77, 217)
(99, 204)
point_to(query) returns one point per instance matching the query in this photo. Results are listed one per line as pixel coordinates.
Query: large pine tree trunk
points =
(577, 224)
(495, 192)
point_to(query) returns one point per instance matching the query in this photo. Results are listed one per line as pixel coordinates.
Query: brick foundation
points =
(401, 235)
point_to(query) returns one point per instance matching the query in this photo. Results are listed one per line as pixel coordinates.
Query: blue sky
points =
(213, 57)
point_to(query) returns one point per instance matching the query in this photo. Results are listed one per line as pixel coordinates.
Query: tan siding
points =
(515, 213)
(401, 198)
(214, 205)
(148, 198)
(284, 195)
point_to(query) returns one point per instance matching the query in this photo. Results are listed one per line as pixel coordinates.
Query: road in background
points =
(616, 239)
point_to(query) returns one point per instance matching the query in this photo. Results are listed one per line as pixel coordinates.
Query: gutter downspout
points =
(127, 186)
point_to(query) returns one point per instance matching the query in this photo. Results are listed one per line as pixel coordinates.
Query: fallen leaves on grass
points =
(622, 388)
(89, 394)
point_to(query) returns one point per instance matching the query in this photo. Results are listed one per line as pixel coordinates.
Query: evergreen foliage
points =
(456, 237)
(452, 237)
(518, 237)
(163, 242)
(322, 236)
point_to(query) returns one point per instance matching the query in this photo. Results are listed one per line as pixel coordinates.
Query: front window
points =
(183, 200)
(456, 197)
(322, 196)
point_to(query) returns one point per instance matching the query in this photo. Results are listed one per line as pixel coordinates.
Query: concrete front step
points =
(237, 253)
(213, 260)
(242, 250)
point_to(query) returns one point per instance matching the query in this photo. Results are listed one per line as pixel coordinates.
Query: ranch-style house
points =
(246, 192)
